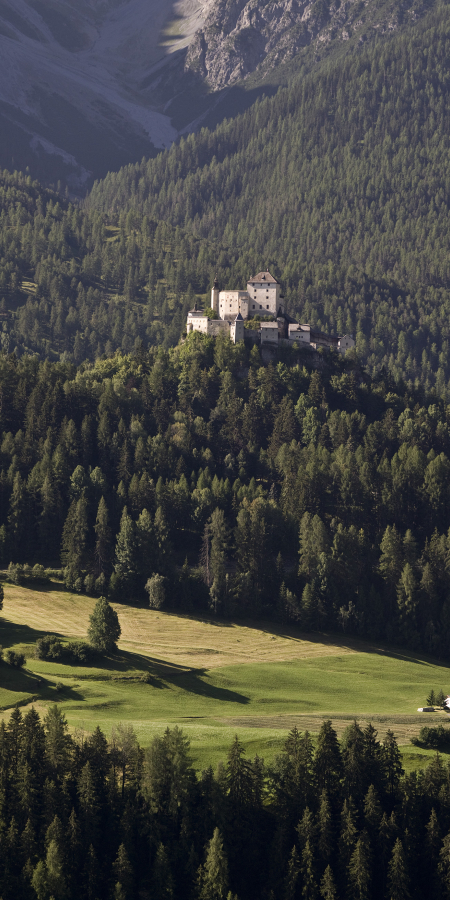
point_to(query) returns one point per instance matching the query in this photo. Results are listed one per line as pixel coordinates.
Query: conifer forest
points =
(150, 467)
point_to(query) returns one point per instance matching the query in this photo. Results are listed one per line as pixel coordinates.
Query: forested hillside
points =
(338, 184)
(96, 819)
(314, 496)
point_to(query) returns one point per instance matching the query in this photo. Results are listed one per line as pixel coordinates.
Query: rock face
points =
(87, 86)
(242, 37)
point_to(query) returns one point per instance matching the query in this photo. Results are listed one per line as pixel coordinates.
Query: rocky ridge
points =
(240, 38)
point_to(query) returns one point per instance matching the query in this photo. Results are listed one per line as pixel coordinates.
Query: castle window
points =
(253, 306)
(267, 307)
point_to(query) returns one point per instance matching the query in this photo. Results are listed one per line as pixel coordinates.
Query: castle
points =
(262, 298)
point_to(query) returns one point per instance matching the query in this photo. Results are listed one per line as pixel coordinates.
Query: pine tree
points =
(407, 603)
(398, 877)
(103, 541)
(325, 825)
(55, 871)
(89, 805)
(213, 875)
(328, 760)
(444, 867)
(126, 565)
(57, 739)
(327, 886)
(308, 869)
(372, 810)
(92, 875)
(391, 762)
(348, 833)
(162, 887)
(123, 873)
(104, 628)
(359, 874)
(39, 881)
(291, 881)
(73, 544)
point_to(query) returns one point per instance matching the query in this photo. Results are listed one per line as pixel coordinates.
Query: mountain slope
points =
(87, 87)
(340, 185)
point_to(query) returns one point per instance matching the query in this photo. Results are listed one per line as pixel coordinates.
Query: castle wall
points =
(233, 302)
(204, 325)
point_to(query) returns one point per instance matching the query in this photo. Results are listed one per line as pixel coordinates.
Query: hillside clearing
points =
(213, 678)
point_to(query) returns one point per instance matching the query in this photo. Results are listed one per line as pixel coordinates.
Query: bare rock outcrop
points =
(241, 37)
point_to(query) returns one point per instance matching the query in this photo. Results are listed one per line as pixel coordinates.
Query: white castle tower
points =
(215, 296)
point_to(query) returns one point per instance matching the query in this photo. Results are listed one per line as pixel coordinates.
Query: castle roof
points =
(263, 276)
(239, 318)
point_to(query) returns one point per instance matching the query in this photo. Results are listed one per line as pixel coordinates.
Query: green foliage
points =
(104, 629)
(52, 648)
(17, 660)
(219, 815)
(436, 738)
(203, 451)
(156, 591)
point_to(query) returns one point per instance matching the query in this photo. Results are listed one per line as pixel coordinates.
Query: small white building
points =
(299, 333)
(269, 333)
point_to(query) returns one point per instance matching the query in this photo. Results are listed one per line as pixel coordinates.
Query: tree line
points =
(199, 478)
(96, 819)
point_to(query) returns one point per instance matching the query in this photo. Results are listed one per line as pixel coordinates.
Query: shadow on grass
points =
(158, 673)
(21, 681)
(193, 681)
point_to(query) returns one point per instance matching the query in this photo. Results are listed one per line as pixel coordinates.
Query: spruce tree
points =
(123, 873)
(213, 875)
(325, 827)
(328, 760)
(444, 867)
(161, 883)
(126, 564)
(398, 876)
(103, 539)
(359, 874)
(327, 885)
(104, 628)
(291, 881)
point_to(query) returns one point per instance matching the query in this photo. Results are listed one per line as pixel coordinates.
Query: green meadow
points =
(214, 679)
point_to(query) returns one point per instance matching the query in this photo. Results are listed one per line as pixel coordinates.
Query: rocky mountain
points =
(71, 103)
(241, 38)
(87, 86)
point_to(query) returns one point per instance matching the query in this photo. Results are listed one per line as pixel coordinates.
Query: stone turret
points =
(215, 296)
(237, 329)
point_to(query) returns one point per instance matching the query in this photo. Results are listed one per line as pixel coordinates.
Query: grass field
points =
(214, 679)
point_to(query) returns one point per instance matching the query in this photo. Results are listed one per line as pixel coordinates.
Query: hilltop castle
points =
(262, 298)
